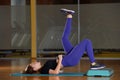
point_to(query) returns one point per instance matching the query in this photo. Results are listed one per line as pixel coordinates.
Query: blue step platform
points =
(98, 78)
(101, 72)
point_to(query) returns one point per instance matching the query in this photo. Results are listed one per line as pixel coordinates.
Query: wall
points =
(99, 22)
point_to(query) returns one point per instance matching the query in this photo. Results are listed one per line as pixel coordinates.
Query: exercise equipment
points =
(61, 74)
(106, 72)
(100, 72)
(98, 78)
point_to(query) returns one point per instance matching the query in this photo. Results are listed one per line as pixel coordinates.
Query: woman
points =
(72, 55)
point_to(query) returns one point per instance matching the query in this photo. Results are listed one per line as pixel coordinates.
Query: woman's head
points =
(32, 68)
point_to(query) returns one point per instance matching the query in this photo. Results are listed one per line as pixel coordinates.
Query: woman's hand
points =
(60, 57)
(58, 67)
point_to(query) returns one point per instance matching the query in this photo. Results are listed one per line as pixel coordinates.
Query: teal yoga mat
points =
(61, 74)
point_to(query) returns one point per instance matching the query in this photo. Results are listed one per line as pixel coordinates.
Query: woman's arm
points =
(57, 69)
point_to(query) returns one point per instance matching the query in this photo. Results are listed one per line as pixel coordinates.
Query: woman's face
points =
(36, 65)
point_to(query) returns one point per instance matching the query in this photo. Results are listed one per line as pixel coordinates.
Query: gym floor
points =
(8, 66)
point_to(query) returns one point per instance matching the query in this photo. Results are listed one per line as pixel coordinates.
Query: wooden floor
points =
(8, 66)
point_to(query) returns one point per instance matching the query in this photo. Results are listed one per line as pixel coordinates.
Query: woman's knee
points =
(87, 40)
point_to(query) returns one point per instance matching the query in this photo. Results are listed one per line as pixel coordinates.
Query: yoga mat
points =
(61, 74)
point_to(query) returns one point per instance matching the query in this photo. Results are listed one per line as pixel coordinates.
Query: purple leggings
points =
(74, 53)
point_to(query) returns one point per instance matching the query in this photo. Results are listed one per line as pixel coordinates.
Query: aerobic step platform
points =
(101, 72)
(98, 78)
